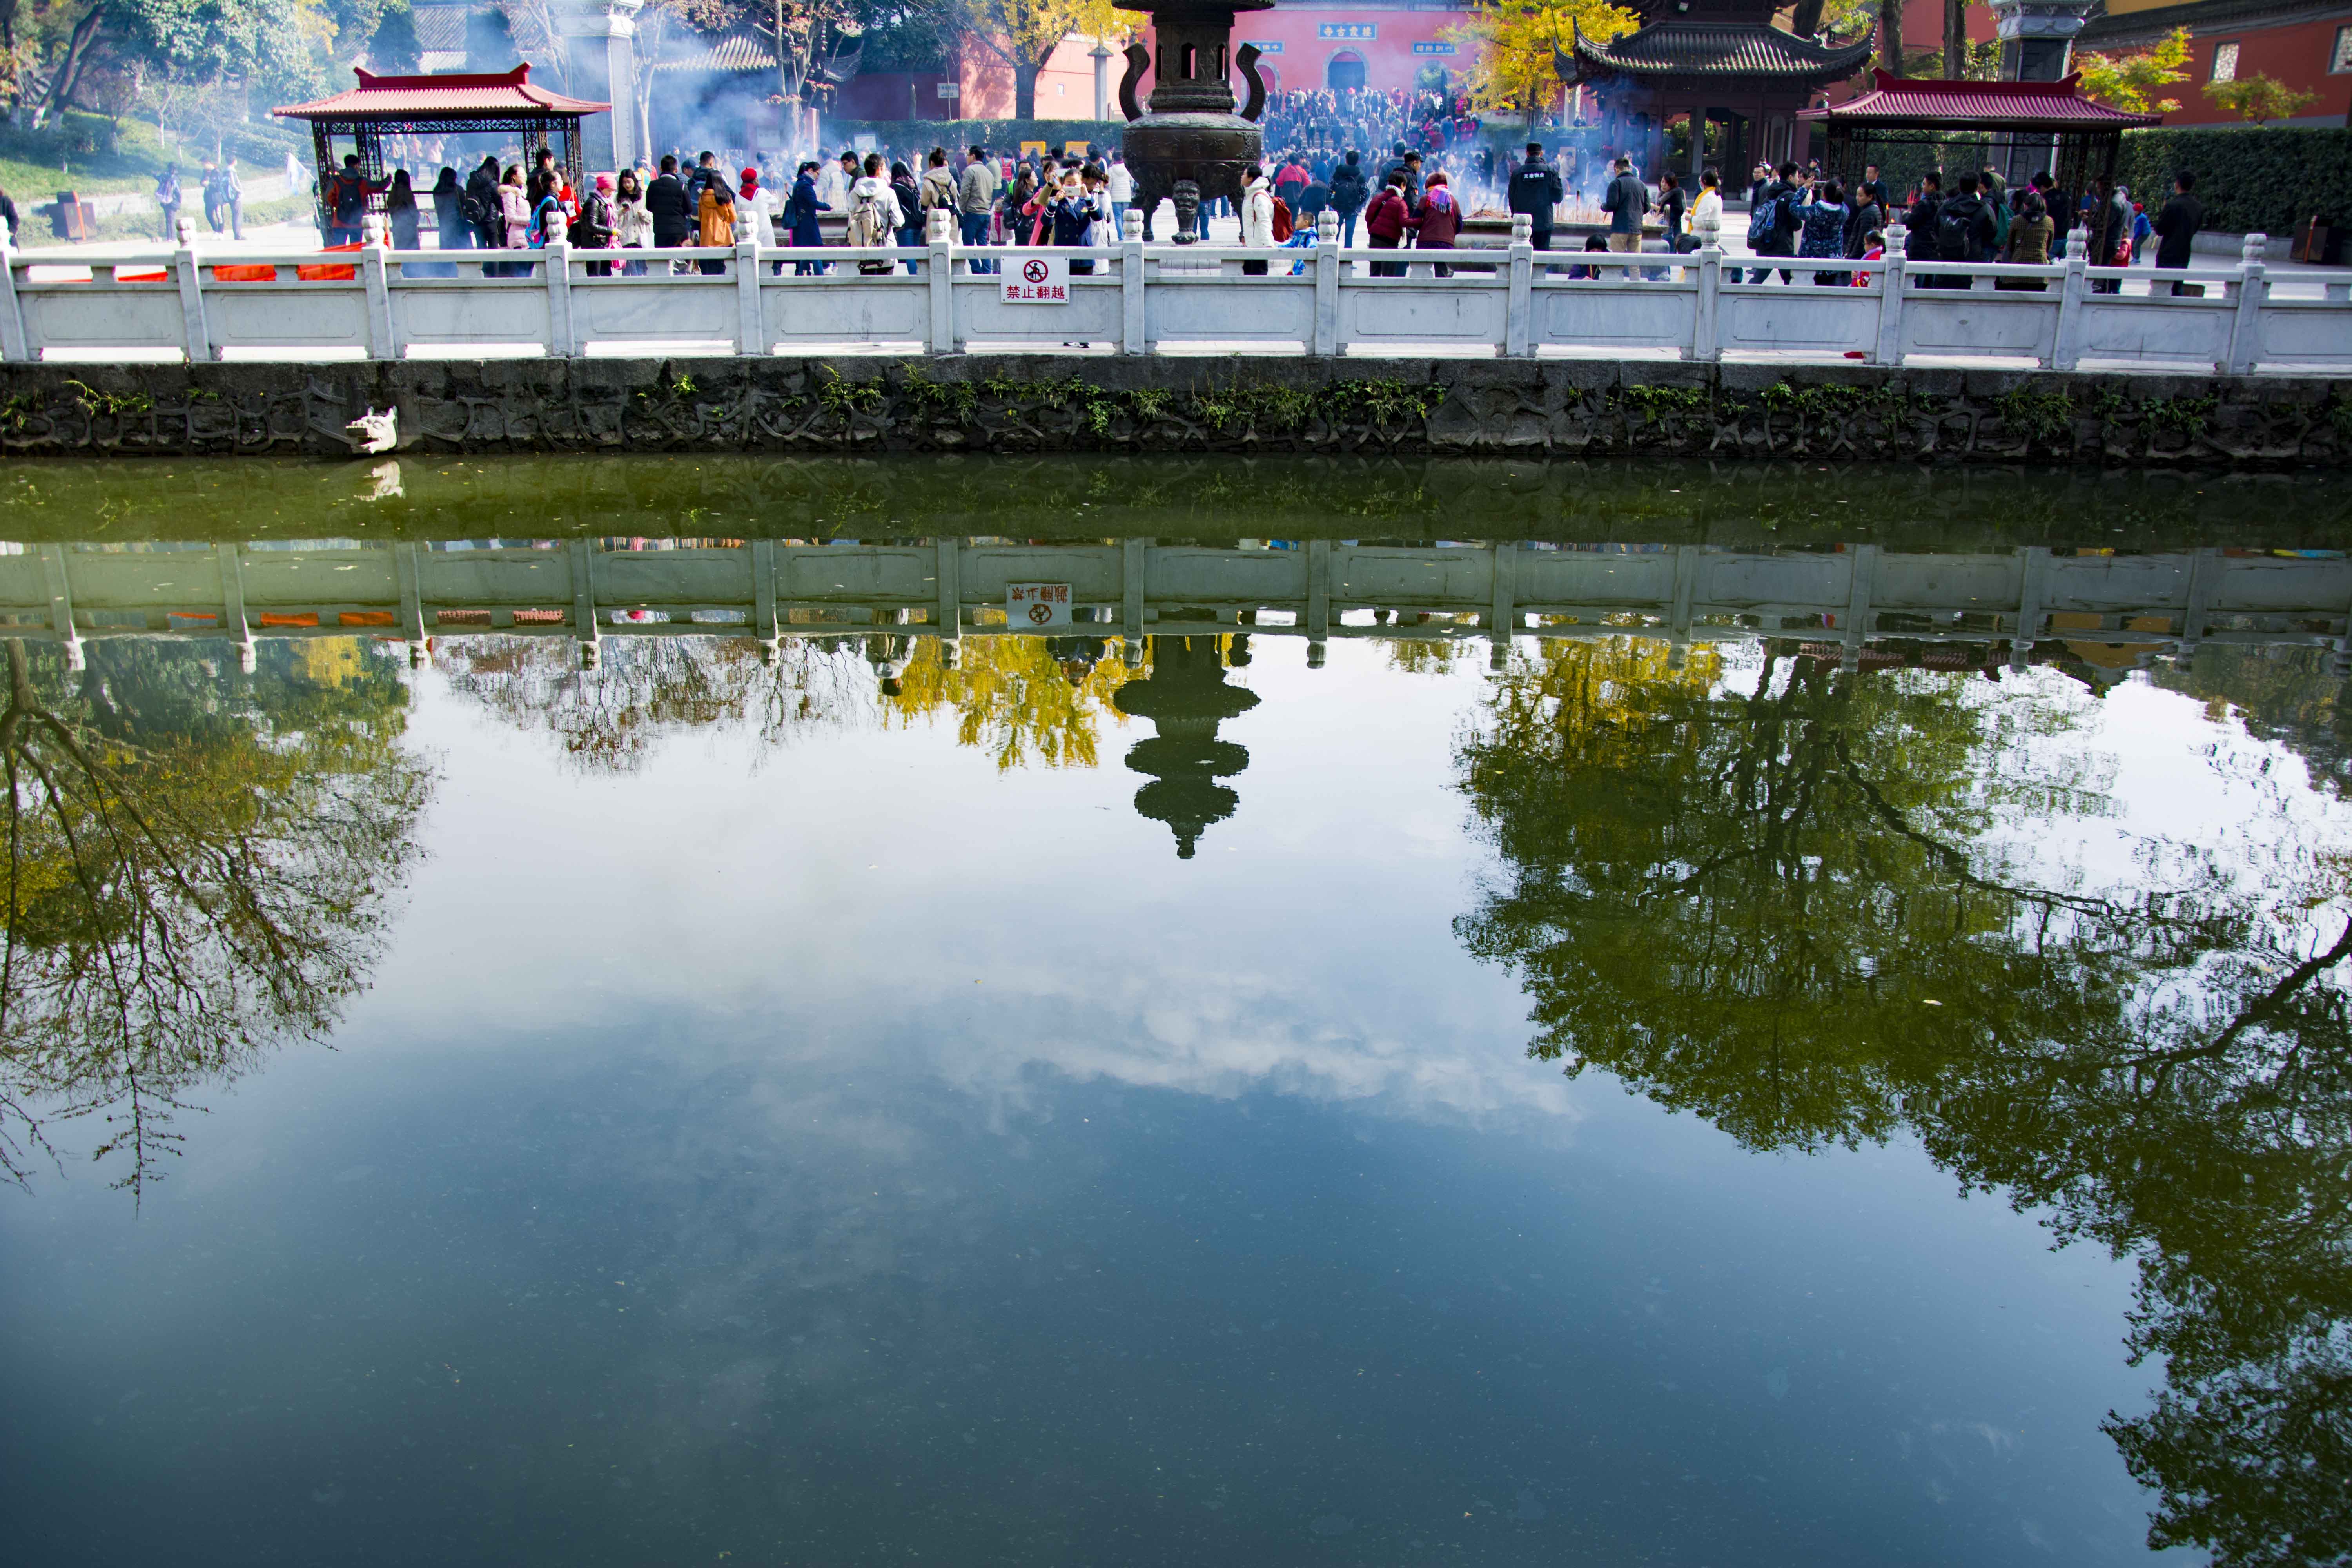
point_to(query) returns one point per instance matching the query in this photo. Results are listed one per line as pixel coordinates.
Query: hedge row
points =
(2252, 179)
(997, 135)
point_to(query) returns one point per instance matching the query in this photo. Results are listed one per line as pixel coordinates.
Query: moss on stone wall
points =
(1032, 403)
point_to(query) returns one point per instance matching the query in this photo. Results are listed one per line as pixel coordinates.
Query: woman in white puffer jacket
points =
(1257, 219)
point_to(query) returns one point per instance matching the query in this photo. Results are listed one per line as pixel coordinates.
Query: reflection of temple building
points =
(1186, 698)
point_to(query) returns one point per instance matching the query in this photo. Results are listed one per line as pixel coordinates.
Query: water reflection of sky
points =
(850, 1151)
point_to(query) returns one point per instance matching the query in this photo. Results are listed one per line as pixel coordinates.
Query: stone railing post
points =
(557, 258)
(939, 238)
(190, 276)
(1131, 265)
(1327, 282)
(750, 332)
(2071, 294)
(2253, 293)
(1891, 285)
(13, 347)
(1518, 313)
(1706, 331)
(375, 278)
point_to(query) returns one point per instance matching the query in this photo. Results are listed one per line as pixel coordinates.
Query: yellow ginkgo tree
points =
(1512, 49)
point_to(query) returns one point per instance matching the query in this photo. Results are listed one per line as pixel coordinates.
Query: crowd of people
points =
(1975, 216)
(1409, 199)
(1326, 123)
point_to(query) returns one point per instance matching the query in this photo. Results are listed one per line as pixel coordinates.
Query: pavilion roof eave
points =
(1712, 54)
(1899, 104)
(504, 96)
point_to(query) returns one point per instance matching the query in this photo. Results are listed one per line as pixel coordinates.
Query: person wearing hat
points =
(755, 211)
(598, 224)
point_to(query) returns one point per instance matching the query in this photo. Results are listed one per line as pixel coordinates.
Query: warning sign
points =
(1039, 280)
(1037, 604)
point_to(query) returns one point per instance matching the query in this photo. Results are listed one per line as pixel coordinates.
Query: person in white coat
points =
(1119, 185)
(1257, 219)
(875, 216)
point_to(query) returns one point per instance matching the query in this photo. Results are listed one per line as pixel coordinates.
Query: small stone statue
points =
(373, 432)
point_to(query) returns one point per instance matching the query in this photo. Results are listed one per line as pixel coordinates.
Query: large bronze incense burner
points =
(1192, 137)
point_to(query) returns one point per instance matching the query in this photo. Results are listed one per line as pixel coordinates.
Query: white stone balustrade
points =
(185, 302)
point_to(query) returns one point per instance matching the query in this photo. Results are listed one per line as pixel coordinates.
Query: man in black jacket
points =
(1348, 195)
(481, 207)
(2177, 225)
(1534, 190)
(1965, 228)
(1919, 242)
(668, 205)
(1782, 238)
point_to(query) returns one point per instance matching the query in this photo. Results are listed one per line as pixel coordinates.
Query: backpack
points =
(1953, 231)
(868, 224)
(1764, 219)
(1283, 225)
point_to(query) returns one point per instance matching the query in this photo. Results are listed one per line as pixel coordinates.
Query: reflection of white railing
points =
(768, 588)
(1516, 303)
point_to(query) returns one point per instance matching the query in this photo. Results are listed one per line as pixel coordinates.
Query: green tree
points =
(198, 867)
(2258, 98)
(2135, 82)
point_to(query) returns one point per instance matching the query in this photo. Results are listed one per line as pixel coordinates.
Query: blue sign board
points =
(1349, 30)
(1431, 46)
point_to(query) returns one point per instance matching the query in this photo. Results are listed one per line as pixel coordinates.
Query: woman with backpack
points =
(910, 212)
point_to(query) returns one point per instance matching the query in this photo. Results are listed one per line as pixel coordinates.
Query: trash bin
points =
(73, 218)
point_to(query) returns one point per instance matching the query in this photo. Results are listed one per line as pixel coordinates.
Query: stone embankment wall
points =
(1032, 403)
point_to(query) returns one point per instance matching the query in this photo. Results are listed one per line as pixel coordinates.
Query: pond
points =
(1671, 1084)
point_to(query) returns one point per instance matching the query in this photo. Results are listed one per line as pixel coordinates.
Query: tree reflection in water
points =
(1020, 699)
(198, 867)
(1814, 913)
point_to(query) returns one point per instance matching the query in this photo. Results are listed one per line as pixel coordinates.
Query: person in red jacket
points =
(1384, 224)
(1438, 221)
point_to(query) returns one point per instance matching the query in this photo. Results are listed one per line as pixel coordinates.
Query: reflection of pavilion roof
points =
(1715, 50)
(1186, 698)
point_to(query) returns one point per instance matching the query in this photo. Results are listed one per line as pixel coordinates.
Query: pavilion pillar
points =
(1697, 145)
(621, 77)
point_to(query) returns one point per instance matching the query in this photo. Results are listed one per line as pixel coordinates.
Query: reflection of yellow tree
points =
(196, 866)
(1594, 699)
(1012, 697)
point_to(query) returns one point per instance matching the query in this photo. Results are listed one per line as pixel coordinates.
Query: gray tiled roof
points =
(1719, 49)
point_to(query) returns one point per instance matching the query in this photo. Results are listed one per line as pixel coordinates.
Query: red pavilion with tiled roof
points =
(2017, 127)
(1720, 60)
(496, 102)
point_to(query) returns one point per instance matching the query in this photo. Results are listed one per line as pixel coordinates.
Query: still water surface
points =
(1625, 1106)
